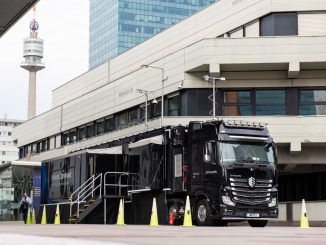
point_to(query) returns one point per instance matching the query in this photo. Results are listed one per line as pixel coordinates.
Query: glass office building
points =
(118, 25)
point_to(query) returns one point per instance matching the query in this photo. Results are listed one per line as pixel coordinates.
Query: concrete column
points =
(31, 95)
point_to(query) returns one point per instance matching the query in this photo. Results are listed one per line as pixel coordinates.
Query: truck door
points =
(196, 176)
(210, 163)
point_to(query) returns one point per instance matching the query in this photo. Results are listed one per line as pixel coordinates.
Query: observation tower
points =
(33, 54)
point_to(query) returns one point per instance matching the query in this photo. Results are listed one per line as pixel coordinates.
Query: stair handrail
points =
(86, 191)
(81, 186)
(119, 183)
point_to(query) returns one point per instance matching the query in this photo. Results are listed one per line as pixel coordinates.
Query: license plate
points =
(252, 215)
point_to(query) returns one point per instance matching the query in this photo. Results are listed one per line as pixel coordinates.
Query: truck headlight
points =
(227, 200)
(273, 202)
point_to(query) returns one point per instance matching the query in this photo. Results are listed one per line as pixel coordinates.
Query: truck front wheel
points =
(257, 223)
(203, 212)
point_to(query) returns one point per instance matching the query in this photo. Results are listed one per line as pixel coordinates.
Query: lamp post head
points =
(208, 78)
(154, 102)
(144, 66)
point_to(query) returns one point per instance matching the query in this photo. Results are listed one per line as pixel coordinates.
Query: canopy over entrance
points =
(117, 150)
(153, 140)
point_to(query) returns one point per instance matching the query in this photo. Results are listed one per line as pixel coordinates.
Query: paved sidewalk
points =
(162, 235)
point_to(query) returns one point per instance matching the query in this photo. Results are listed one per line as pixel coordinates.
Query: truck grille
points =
(243, 193)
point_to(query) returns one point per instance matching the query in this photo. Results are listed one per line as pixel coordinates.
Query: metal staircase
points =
(115, 185)
(85, 198)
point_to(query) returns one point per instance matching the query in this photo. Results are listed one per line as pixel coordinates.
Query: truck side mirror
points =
(209, 152)
(207, 158)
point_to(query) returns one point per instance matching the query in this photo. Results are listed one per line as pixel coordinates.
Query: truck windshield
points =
(247, 152)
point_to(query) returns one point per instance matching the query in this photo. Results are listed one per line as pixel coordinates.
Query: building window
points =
(132, 115)
(279, 24)
(312, 102)
(174, 105)
(81, 133)
(34, 148)
(254, 102)
(142, 112)
(109, 124)
(90, 130)
(21, 152)
(100, 127)
(25, 151)
(66, 138)
(38, 147)
(73, 136)
(157, 108)
(44, 145)
(270, 102)
(122, 119)
(237, 103)
(3, 153)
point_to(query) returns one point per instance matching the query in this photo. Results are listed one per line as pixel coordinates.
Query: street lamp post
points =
(146, 93)
(162, 90)
(212, 80)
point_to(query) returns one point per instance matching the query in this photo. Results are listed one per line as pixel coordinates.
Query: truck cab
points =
(232, 172)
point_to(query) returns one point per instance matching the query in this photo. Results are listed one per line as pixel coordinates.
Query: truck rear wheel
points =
(257, 223)
(203, 212)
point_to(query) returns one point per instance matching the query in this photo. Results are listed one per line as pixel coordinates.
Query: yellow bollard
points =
(121, 217)
(33, 216)
(57, 216)
(154, 217)
(304, 223)
(187, 221)
(43, 220)
(29, 220)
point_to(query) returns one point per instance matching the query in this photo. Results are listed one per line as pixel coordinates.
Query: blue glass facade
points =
(118, 25)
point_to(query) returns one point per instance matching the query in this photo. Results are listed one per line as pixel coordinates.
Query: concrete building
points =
(118, 25)
(8, 148)
(272, 54)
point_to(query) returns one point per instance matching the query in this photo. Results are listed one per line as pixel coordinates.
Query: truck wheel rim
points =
(201, 213)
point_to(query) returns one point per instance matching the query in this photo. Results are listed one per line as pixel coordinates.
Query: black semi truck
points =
(228, 169)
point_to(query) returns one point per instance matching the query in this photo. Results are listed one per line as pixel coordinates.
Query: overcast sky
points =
(64, 29)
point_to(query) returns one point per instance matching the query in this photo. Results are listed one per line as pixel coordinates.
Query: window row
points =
(9, 153)
(274, 102)
(196, 102)
(9, 124)
(175, 10)
(139, 29)
(275, 24)
(123, 119)
(5, 133)
(104, 125)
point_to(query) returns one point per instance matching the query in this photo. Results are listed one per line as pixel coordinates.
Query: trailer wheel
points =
(257, 223)
(203, 212)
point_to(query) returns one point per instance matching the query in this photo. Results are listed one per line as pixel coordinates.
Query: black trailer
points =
(228, 168)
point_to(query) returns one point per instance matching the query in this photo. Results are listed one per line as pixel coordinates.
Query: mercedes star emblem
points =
(252, 182)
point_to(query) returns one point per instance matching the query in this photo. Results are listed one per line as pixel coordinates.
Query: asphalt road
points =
(12, 234)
